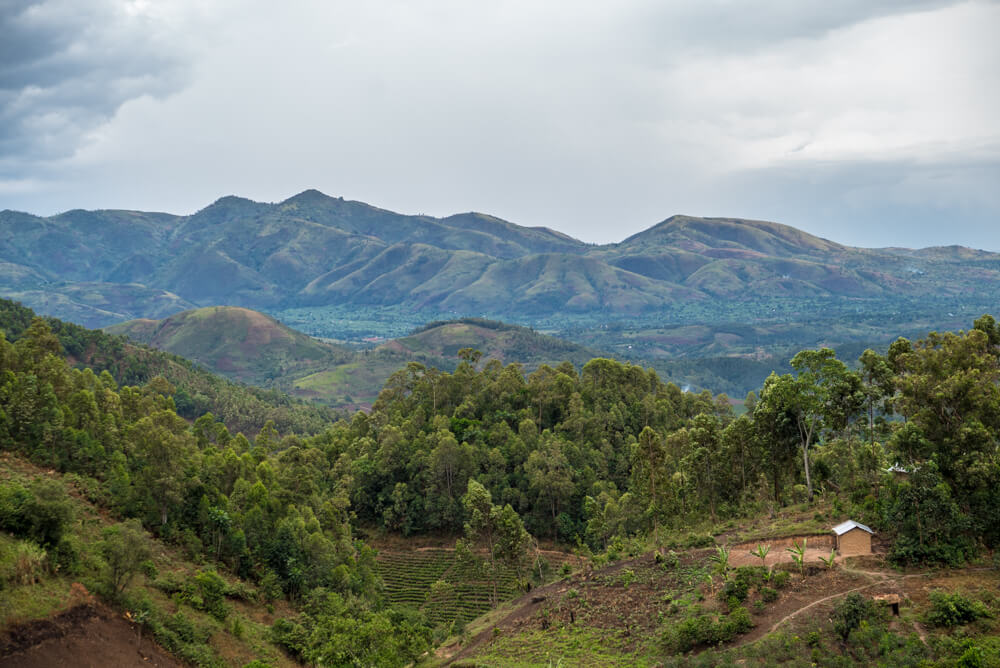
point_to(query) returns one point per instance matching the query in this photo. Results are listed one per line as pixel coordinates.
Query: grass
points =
(561, 646)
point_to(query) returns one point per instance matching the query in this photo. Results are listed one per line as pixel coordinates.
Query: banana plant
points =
(761, 553)
(798, 554)
(721, 560)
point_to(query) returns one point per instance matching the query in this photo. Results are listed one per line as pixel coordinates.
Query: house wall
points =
(855, 542)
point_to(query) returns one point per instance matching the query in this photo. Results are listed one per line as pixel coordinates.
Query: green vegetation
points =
(607, 458)
(195, 391)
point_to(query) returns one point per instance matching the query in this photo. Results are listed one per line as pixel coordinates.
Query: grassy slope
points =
(251, 347)
(245, 345)
(240, 638)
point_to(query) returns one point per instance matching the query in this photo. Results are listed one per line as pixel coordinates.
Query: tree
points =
(497, 531)
(125, 551)
(649, 466)
(825, 393)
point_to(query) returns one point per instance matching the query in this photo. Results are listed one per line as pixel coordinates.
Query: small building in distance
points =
(852, 539)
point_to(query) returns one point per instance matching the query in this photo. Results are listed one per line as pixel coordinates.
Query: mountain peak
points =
(311, 196)
(731, 233)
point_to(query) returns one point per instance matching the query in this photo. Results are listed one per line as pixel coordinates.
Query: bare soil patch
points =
(85, 636)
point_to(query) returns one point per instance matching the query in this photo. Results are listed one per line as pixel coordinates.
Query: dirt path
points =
(774, 627)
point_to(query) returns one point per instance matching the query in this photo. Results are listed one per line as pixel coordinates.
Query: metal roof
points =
(844, 527)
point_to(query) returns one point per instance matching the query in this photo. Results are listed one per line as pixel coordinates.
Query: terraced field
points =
(410, 577)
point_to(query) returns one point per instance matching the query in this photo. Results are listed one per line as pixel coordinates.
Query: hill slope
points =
(244, 345)
(316, 250)
(252, 347)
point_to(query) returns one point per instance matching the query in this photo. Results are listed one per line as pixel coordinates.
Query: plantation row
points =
(438, 584)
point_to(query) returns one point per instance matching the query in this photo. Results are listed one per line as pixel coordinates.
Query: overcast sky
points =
(863, 121)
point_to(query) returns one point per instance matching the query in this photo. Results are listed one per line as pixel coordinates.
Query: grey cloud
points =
(66, 67)
(725, 26)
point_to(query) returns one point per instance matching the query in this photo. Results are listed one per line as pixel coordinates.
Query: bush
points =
(27, 563)
(699, 540)
(780, 579)
(768, 594)
(850, 612)
(954, 609)
(743, 578)
(669, 561)
(703, 630)
(206, 592)
(41, 512)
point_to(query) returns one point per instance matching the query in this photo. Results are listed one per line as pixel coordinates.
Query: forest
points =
(582, 457)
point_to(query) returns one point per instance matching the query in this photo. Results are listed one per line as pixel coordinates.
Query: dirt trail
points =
(789, 616)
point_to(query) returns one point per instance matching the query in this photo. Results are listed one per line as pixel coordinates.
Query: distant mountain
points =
(99, 267)
(254, 348)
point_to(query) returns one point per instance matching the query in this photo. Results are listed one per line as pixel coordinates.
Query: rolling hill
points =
(242, 344)
(251, 347)
(311, 250)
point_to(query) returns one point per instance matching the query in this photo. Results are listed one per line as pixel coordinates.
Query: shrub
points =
(701, 630)
(769, 594)
(28, 563)
(954, 609)
(851, 611)
(780, 579)
(699, 540)
(206, 592)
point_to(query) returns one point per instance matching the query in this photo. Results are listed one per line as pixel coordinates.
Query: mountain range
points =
(311, 250)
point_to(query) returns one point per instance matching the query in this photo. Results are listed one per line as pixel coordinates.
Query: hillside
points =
(196, 391)
(251, 347)
(701, 536)
(100, 267)
(239, 343)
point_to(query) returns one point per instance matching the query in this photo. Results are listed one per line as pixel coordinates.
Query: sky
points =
(868, 122)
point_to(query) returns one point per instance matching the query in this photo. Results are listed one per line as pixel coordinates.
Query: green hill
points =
(196, 390)
(251, 347)
(244, 345)
(496, 340)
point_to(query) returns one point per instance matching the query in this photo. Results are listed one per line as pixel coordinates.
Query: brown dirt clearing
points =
(86, 636)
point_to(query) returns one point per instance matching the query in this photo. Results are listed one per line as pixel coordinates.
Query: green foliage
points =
(851, 611)
(949, 609)
(798, 553)
(743, 579)
(206, 592)
(699, 629)
(929, 525)
(41, 512)
(337, 631)
(125, 549)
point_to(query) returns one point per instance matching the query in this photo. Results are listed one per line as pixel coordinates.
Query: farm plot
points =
(432, 580)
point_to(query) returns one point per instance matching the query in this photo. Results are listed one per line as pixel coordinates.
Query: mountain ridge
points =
(312, 249)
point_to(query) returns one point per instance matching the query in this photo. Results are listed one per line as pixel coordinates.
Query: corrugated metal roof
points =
(844, 527)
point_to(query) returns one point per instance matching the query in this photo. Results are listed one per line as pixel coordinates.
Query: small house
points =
(852, 539)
